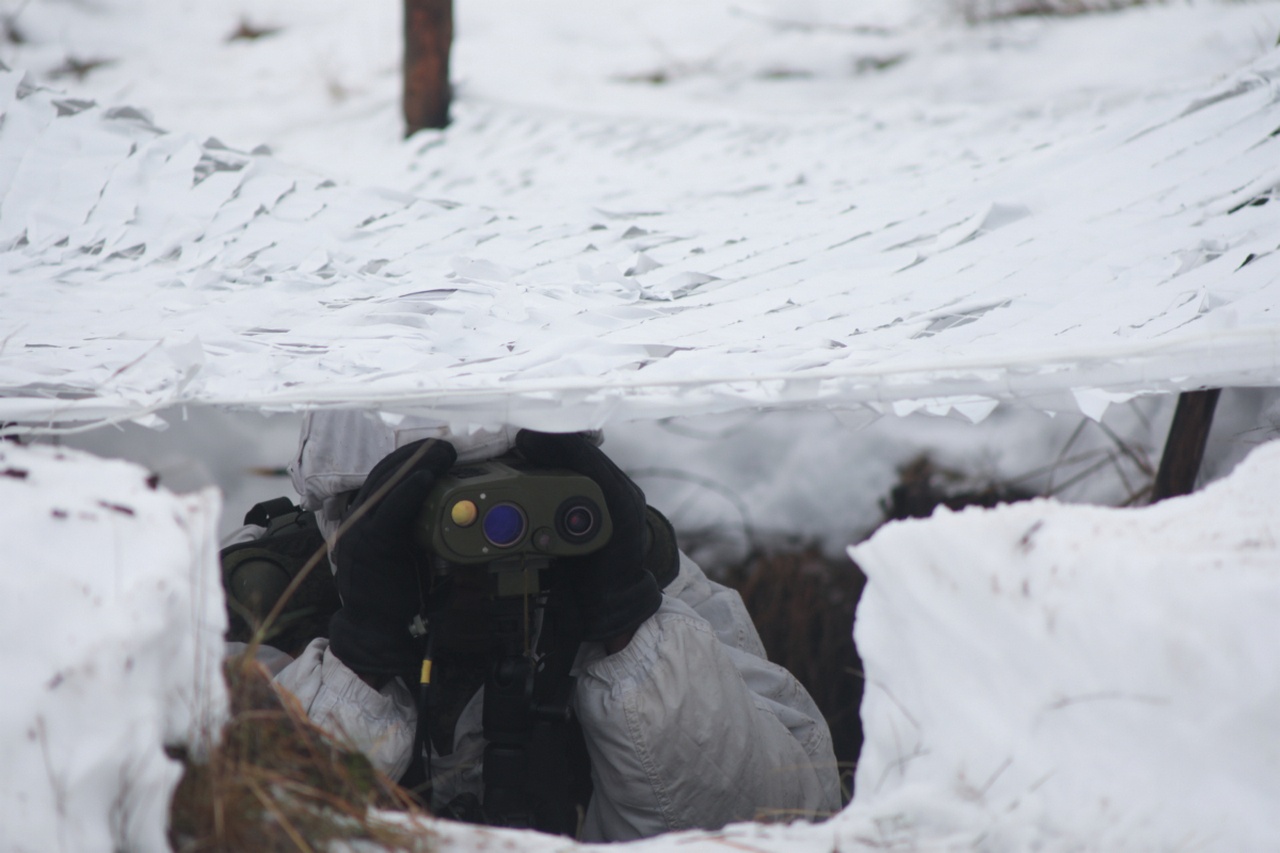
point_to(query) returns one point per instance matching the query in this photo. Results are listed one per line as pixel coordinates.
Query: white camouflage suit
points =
(688, 726)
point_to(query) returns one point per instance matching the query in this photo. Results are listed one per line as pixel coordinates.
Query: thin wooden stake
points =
(1184, 449)
(428, 38)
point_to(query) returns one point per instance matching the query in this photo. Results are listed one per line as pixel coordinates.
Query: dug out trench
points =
(800, 588)
(802, 600)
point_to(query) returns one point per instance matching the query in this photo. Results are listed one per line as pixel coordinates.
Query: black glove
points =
(380, 563)
(614, 590)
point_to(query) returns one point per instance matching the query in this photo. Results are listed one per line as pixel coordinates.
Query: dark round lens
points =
(504, 525)
(577, 520)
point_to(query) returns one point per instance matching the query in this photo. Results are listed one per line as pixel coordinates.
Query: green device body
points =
(505, 510)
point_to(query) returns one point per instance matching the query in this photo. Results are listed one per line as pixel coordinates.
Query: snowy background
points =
(776, 250)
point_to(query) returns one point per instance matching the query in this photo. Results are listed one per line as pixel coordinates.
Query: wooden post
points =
(428, 37)
(1184, 449)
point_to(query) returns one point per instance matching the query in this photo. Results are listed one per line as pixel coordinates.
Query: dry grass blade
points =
(978, 11)
(270, 805)
(277, 783)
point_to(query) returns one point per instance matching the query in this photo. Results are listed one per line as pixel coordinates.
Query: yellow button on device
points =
(463, 513)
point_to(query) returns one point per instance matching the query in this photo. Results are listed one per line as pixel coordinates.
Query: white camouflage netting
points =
(1066, 262)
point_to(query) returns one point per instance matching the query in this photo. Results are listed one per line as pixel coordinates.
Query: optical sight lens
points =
(579, 521)
(504, 525)
(576, 520)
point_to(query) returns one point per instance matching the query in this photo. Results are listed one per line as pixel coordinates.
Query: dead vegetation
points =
(802, 602)
(79, 67)
(276, 782)
(246, 31)
(980, 11)
(924, 485)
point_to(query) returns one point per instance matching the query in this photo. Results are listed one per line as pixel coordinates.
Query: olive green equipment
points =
(504, 513)
(256, 574)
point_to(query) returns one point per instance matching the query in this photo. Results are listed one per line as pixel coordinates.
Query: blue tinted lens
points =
(504, 525)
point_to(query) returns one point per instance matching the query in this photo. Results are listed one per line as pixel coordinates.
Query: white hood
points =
(337, 449)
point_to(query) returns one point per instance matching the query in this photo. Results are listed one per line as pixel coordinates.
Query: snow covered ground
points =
(766, 245)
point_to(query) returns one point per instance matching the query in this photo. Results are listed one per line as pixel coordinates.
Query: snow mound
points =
(1077, 261)
(111, 622)
(1075, 677)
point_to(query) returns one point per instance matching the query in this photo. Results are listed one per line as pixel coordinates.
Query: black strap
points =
(262, 513)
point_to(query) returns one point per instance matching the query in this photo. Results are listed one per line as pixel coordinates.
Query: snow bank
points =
(111, 627)
(1076, 676)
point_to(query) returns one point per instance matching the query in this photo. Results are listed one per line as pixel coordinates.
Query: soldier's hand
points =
(614, 589)
(381, 568)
